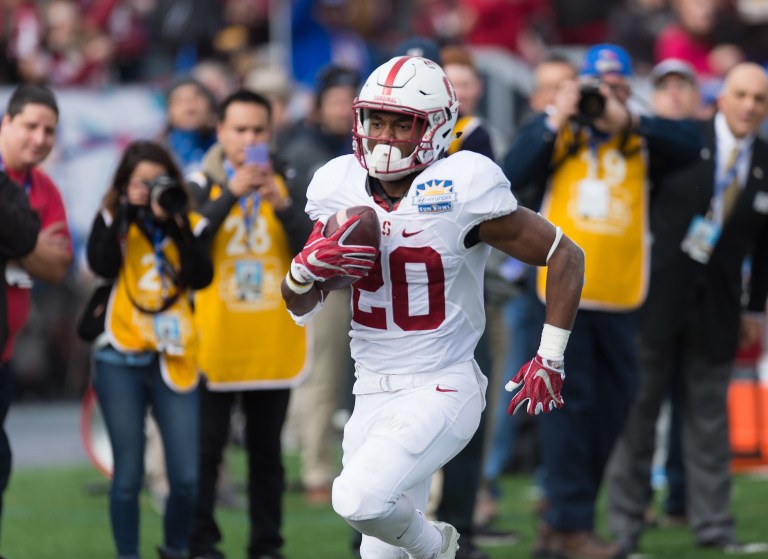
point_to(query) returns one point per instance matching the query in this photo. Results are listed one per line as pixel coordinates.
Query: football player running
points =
(418, 305)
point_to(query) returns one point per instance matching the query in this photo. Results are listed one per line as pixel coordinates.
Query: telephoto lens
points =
(167, 193)
(591, 101)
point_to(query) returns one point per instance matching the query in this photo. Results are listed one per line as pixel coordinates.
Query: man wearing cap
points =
(675, 90)
(706, 219)
(591, 159)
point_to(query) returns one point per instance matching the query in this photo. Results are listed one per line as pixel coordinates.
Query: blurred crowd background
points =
(111, 63)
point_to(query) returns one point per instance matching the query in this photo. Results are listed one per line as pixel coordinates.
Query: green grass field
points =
(62, 514)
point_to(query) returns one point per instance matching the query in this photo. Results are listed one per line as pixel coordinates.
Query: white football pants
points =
(393, 443)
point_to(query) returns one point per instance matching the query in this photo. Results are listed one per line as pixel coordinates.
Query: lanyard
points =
(160, 262)
(722, 183)
(249, 206)
(593, 142)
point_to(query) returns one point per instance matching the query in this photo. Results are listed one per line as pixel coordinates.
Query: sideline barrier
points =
(748, 411)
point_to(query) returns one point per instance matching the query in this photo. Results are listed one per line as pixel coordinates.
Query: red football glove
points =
(542, 380)
(326, 257)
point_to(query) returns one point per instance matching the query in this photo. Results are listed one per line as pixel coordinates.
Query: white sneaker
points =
(450, 540)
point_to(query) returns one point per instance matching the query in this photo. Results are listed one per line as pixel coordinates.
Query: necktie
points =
(733, 189)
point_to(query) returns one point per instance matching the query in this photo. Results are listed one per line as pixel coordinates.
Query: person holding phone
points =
(250, 348)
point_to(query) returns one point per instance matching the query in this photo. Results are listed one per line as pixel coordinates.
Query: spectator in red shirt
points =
(26, 138)
(515, 25)
(125, 24)
(68, 55)
(703, 36)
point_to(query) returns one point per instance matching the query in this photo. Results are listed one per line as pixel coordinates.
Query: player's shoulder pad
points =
(481, 190)
(332, 176)
(330, 187)
(473, 175)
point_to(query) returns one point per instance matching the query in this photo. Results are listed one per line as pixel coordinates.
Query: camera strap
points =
(165, 270)
(571, 150)
(574, 147)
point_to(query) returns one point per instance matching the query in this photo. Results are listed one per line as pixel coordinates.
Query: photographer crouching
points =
(145, 346)
(590, 157)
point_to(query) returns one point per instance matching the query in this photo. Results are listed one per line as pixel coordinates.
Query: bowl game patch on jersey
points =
(434, 196)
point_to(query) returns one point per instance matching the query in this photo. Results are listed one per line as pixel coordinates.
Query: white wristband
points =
(553, 342)
(297, 288)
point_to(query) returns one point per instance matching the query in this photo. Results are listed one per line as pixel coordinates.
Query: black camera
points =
(591, 102)
(167, 193)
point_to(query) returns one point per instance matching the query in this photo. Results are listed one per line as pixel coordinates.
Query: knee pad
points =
(353, 502)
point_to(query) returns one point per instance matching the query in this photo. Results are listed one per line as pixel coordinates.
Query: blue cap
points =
(606, 59)
(418, 46)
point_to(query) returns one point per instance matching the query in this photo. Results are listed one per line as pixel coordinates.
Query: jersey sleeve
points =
(323, 197)
(488, 195)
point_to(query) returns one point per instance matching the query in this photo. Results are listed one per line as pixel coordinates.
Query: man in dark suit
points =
(706, 220)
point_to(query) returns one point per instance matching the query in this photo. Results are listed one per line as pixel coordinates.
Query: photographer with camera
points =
(147, 241)
(590, 156)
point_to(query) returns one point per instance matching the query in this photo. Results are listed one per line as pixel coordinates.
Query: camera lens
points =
(591, 101)
(168, 194)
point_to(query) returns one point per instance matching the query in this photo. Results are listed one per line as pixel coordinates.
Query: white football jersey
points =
(420, 308)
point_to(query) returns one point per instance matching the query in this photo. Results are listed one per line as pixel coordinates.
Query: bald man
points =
(706, 219)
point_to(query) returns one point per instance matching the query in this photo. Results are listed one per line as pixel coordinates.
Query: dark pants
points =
(675, 468)
(706, 450)
(5, 447)
(264, 412)
(576, 441)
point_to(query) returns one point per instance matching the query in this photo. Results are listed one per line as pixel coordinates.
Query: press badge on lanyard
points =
(704, 232)
(594, 198)
(701, 238)
(594, 195)
(248, 277)
(168, 334)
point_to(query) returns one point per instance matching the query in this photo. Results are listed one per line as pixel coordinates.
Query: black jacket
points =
(706, 297)
(105, 256)
(19, 226)
(529, 161)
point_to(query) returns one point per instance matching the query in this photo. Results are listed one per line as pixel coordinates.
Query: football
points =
(366, 231)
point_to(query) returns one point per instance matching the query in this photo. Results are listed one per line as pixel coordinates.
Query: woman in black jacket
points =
(147, 241)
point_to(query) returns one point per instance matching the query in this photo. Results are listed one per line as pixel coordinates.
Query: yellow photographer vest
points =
(171, 332)
(599, 196)
(247, 338)
(465, 126)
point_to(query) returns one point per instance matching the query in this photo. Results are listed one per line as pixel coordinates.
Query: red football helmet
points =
(416, 87)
